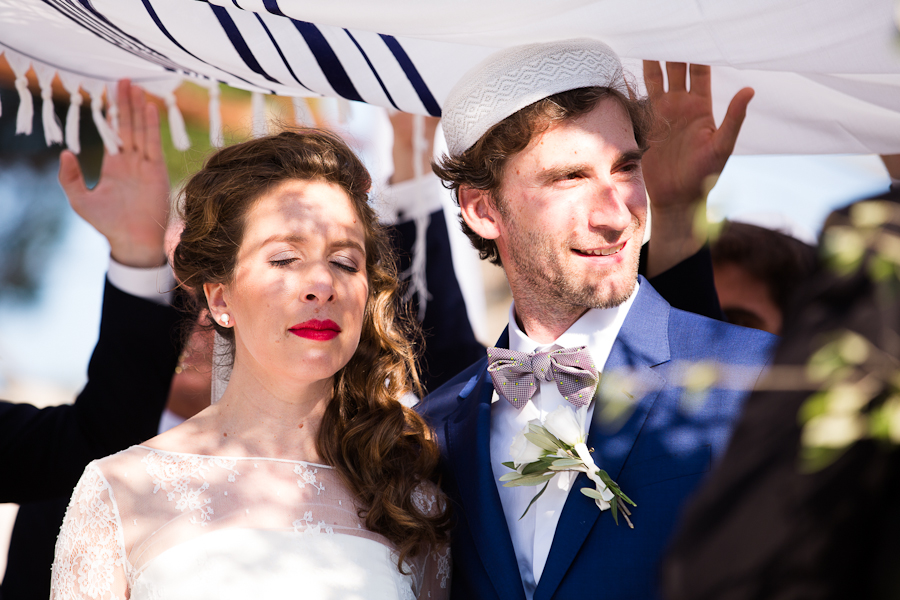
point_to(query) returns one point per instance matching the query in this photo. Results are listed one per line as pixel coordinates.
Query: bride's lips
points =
(316, 330)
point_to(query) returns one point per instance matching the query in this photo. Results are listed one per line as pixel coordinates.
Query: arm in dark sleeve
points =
(450, 344)
(689, 285)
(43, 452)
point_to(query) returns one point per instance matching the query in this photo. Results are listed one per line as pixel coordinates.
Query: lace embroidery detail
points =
(179, 471)
(423, 501)
(304, 525)
(406, 591)
(88, 549)
(308, 477)
(443, 566)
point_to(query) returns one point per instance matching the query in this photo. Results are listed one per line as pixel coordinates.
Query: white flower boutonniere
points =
(540, 451)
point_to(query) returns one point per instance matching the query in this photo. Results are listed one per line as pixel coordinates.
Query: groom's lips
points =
(605, 251)
(320, 331)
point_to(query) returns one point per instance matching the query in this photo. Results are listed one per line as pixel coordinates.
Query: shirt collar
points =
(596, 329)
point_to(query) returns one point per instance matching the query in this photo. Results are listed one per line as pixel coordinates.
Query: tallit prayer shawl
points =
(826, 73)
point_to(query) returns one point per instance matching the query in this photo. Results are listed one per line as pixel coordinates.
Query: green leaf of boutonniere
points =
(562, 464)
(541, 441)
(529, 480)
(536, 496)
(613, 486)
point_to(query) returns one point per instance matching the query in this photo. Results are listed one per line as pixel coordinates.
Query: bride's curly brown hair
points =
(383, 450)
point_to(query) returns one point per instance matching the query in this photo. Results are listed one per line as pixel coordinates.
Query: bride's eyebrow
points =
(348, 243)
(292, 238)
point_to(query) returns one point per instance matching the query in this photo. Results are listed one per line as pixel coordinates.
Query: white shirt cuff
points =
(155, 284)
(410, 199)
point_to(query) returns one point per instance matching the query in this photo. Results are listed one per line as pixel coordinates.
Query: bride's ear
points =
(217, 302)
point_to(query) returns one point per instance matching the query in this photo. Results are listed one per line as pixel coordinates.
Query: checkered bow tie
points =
(515, 374)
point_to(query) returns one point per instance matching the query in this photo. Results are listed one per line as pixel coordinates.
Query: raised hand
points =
(892, 162)
(130, 203)
(687, 150)
(403, 151)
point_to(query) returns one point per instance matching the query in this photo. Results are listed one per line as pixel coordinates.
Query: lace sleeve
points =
(435, 582)
(90, 557)
(436, 575)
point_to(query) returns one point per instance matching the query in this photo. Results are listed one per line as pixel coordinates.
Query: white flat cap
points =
(513, 78)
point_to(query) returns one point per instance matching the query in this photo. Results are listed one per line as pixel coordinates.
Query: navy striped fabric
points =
(84, 15)
(260, 51)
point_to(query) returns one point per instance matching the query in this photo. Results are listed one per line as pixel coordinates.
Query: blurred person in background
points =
(757, 272)
(43, 452)
(806, 501)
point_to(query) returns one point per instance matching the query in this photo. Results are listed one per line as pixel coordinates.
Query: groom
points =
(545, 158)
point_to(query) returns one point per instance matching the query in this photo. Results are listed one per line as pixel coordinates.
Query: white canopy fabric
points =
(826, 72)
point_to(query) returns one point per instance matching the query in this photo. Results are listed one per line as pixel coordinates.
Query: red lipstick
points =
(320, 331)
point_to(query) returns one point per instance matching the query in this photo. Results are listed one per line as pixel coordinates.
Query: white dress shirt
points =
(532, 535)
(155, 283)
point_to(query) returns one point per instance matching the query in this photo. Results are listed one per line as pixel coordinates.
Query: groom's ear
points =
(478, 211)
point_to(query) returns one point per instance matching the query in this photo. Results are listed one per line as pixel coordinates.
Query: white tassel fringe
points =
(165, 89)
(52, 128)
(258, 105)
(216, 138)
(73, 116)
(24, 118)
(302, 114)
(180, 138)
(110, 138)
(416, 271)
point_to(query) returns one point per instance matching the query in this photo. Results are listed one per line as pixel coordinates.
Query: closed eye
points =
(282, 262)
(346, 265)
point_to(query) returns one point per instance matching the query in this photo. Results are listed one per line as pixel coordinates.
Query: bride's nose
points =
(318, 286)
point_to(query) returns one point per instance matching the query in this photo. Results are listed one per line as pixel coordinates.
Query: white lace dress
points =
(146, 524)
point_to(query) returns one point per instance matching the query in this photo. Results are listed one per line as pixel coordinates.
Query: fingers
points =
(153, 149)
(70, 177)
(677, 74)
(123, 96)
(139, 124)
(653, 79)
(701, 82)
(892, 162)
(728, 131)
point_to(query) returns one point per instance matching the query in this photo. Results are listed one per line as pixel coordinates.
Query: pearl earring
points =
(225, 318)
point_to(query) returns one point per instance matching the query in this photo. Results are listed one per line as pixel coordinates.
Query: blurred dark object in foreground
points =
(762, 528)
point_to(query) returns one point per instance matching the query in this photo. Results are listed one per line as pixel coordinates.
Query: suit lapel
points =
(628, 377)
(468, 446)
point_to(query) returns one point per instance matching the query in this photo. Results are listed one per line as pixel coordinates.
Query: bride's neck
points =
(278, 419)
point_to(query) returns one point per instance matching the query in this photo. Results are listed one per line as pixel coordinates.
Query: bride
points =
(308, 478)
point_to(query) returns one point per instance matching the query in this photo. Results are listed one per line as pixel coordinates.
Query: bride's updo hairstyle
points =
(382, 449)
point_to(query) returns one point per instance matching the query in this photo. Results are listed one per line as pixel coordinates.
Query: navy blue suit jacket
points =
(658, 456)
(43, 452)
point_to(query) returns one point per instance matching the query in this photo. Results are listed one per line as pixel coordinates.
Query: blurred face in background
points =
(746, 300)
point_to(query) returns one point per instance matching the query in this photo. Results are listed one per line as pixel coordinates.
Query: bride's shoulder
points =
(190, 437)
(121, 463)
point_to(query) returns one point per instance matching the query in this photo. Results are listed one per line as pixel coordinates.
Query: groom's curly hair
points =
(383, 450)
